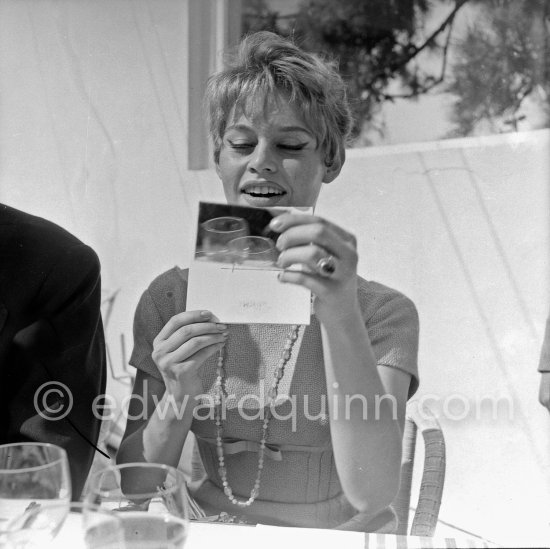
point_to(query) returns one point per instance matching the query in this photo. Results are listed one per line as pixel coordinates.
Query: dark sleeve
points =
(544, 362)
(393, 331)
(67, 347)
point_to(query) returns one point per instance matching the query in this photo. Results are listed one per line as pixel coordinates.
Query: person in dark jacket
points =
(52, 347)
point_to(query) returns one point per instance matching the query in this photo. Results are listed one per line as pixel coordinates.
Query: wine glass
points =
(218, 232)
(253, 250)
(151, 500)
(35, 493)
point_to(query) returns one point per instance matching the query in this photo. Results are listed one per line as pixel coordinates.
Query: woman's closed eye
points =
(241, 145)
(292, 146)
(248, 145)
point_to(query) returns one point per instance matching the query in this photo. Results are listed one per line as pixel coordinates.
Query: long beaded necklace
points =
(273, 391)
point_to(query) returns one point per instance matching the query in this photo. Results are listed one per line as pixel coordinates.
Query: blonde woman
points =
(279, 120)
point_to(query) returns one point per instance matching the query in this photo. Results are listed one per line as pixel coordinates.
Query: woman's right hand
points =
(186, 341)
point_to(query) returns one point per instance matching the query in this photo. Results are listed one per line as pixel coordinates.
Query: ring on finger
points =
(326, 265)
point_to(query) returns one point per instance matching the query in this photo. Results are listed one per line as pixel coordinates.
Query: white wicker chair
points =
(433, 475)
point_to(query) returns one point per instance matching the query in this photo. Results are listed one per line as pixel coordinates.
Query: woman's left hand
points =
(328, 256)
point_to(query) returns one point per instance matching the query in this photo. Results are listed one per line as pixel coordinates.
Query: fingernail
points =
(222, 327)
(225, 334)
(205, 314)
(275, 224)
(280, 276)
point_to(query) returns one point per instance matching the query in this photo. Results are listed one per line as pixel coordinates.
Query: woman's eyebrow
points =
(295, 129)
(239, 127)
(282, 129)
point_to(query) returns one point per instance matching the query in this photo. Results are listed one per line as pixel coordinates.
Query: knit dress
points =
(299, 483)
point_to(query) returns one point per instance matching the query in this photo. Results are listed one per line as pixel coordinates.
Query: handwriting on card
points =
(254, 306)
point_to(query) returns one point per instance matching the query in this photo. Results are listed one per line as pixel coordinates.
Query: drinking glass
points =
(151, 500)
(91, 527)
(218, 232)
(35, 493)
(253, 250)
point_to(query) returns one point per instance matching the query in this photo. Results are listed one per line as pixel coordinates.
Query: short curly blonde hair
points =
(267, 66)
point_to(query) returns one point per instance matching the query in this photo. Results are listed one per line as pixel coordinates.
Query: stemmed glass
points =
(151, 500)
(35, 493)
(218, 232)
(254, 250)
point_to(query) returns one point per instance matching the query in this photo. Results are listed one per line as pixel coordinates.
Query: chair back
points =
(420, 418)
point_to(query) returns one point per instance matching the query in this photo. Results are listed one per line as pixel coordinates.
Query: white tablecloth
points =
(230, 536)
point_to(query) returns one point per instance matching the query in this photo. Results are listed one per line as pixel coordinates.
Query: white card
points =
(246, 296)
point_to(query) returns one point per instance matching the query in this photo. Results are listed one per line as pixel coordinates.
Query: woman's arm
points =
(544, 389)
(367, 408)
(161, 411)
(156, 427)
(366, 402)
(544, 368)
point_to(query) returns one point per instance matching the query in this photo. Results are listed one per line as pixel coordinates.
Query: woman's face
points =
(272, 160)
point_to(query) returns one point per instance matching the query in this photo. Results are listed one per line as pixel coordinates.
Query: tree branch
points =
(413, 51)
(432, 85)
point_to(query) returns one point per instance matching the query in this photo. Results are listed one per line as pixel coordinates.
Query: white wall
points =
(100, 119)
(91, 136)
(462, 227)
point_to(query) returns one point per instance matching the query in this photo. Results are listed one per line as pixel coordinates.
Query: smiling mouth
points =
(263, 191)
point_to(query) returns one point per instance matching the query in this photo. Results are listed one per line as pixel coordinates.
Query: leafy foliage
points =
(503, 60)
(374, 41)
(370, 41)
(258, 16)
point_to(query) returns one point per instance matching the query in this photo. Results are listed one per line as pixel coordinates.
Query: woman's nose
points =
(262, 160)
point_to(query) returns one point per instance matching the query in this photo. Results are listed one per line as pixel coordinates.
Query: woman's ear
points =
(332, 170)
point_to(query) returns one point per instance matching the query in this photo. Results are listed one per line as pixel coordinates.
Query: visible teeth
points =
(257, 189)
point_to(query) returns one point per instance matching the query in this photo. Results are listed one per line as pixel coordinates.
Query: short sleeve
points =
(393, 330)
(147, 324)
(544, 362)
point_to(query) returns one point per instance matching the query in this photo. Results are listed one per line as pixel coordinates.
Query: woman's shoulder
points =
(168, 291)
(170, 280)
(374, 297)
